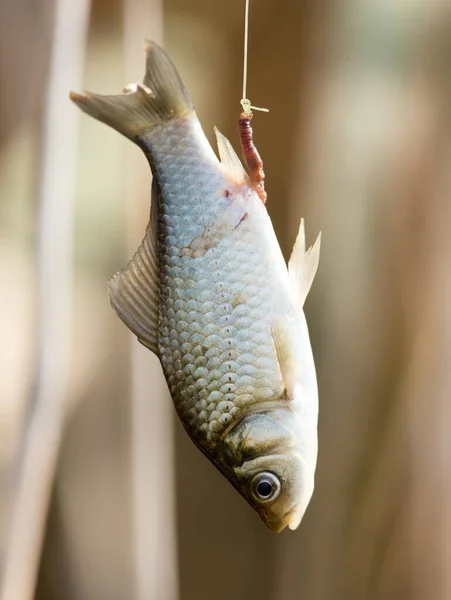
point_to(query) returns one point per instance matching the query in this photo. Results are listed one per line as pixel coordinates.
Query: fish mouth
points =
(295, 520)
(275, 527)
(291, 518)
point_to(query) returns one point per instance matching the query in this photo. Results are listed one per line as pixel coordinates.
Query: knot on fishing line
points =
(248, 108)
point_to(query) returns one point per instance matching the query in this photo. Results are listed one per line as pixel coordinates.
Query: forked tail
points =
(160, 97)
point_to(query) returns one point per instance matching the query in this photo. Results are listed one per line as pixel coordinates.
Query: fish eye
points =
(265, 487)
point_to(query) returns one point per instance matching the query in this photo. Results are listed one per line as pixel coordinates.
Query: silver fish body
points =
(209, 292)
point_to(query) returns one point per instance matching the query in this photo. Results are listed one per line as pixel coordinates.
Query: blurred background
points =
(102, 494)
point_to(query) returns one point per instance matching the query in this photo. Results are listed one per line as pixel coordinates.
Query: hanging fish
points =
(208, 291)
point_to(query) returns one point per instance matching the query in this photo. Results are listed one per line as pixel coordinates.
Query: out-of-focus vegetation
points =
(358, 142)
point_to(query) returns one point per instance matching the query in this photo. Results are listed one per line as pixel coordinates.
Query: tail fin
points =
(161, 97)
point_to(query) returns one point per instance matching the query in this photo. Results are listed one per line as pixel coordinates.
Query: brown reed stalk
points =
(55, 199)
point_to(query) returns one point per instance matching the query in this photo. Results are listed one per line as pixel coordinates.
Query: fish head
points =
(270, 458)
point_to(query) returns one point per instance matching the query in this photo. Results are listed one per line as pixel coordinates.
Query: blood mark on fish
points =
(245, 215)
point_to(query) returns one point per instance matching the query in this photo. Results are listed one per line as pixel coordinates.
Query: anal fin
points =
(134, 292)
(230, 159)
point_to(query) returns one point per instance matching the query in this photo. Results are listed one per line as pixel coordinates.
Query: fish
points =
(209, 293)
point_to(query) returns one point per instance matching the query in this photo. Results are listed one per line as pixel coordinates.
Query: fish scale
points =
(194, 318)
(211, 345)
(209, 293)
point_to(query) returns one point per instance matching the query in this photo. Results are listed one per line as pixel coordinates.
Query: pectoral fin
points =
(303, 265)
(134, 292)
(285, 356)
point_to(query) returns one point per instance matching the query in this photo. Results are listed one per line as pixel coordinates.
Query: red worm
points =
(251, 156)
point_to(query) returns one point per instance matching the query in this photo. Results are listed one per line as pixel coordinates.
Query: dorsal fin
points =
(229, 158)
(134, 292)
(303, 265)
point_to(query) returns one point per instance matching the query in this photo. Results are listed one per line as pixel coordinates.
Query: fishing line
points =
(245, 102)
